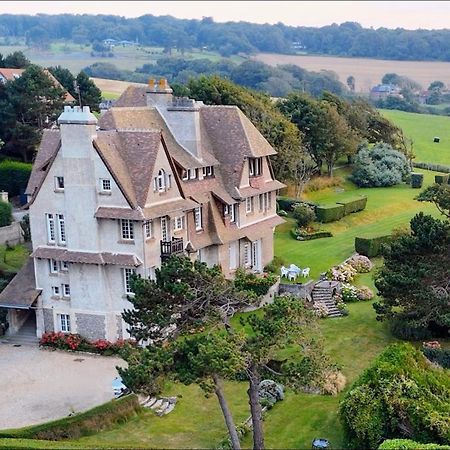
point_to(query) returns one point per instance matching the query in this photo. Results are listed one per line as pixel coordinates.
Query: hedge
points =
(82, 424)
(430, 166)
(299, 236)
(439, 356)
(286, 204)
(408, 444)
(353, 205)
(416, 180)
(329, 213)
(370, 246)
(14, 176)
(5, 214)
(441, 179)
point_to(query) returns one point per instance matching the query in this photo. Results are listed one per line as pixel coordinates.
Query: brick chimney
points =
(159, 93)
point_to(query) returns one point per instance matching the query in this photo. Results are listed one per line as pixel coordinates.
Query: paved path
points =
(42, 385)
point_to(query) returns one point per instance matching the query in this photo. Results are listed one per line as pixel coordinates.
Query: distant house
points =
(109, 41)
(7, 74)
(382, 91)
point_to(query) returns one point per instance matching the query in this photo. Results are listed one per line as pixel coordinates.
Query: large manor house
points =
(155, 175)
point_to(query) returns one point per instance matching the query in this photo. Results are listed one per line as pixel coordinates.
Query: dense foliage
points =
(408, 444)
(5, 214)
(413, 283)
(304, 215)
(379, 166)
(14, 176)
(399, 395)
(346, 39)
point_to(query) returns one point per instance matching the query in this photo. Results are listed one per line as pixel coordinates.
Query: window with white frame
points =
(61, 229)
(148, 229)
(64, 323)
(198, 218)
(226, 210)
(160, 181)
(53, 266)
(127, 274)
(208, 171)
(193, 174)
(255, 166)
(56, 291)
(66, 290)
(126, 229)
(64, 266)
(265, 201)
(185, 175)
(59, 183)
(249, 204)
(152, 273)
(178, 223)
(105, 184)
(246, 255)
(51, 232)
(233, 213)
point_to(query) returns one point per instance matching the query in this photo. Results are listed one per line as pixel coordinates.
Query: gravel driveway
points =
(41, 385)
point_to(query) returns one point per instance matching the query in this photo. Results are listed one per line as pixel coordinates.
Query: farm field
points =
(422, 128)
(367, 72)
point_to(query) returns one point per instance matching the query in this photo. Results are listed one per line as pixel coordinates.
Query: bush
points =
(408, 332)
(379, 166)
(303, 235)
(320, 183)
(441, 179)
(439, 356)
(288, 204)
(355, 205)
(408, 444)
(349, 293)
(416, 180)
(82, 424)
(360, 263)
(371, 246)
(304, 215)
(329, 213)
(14, 176)
(334, 382)
(343, 273)
(399, 394)
(365, 293)
(246, 281)
(275, 265)
(5, 214)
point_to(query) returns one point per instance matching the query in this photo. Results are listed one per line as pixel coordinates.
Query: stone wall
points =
(119, 327)
(12, 234)
(91, 326)
(49, 325)
(298, 289)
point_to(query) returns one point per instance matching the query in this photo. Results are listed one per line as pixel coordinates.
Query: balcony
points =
(173, 247)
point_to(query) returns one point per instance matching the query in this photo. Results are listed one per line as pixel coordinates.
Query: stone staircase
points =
(161, 406)
(323, 294)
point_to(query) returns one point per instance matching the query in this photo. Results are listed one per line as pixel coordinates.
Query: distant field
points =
(422, 128)
(113, 88)
(367, 72)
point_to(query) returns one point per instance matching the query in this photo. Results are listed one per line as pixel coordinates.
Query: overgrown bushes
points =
(246, 281)
(399, 395)
(379, 166)
(370, 246)
(5, 214)
(14, 176)
(89, 422)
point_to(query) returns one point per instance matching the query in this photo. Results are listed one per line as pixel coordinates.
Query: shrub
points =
(439, 356)
(5, 214)
(343, 273)
(416, 180)
(408, 444)
(370, 246)
(399, 394)
(409, 332)
(441, 179)
(365, 293)
(433, 167)
(329, 213)
(379, 166)
(320, 310)
(275, 265)
(349, 293)
(355, 205)
(334, 382)
(360, 263)
(303, 235)
(288, 204)
(304, 215)
(320, 183)
(14, 176)
(246, 281)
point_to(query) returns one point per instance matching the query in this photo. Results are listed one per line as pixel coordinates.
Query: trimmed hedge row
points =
(310, 236)
(353, 205)
(329, 213)
(14, 176)
(416, 180)
(5, 214)
(370, 246)
(83, 424)
(430, 166)
(442, 179)
(286, 204)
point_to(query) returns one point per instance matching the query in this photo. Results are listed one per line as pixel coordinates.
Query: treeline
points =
(276, 81)
(346, 39)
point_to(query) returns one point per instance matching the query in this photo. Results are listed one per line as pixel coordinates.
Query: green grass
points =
(110, 95)
(387, 208)
(12, 259)
(422, 128)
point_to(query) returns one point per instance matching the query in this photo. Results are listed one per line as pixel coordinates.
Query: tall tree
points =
(90, 94)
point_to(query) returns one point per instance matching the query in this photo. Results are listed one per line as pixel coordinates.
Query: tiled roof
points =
(133, 96)
(21, 292)
(271, 185)
(11, 74)
(61, 254)
(50, 143)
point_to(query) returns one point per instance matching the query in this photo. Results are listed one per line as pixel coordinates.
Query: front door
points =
(256, 256)
(164, 229)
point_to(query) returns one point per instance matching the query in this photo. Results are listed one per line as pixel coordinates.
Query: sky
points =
(389, 14)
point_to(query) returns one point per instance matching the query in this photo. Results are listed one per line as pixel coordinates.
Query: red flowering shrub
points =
(102, 344)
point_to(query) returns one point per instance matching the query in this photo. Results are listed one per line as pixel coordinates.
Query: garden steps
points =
(323, 295)
(161, 406)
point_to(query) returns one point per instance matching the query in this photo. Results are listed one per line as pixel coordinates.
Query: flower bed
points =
(350, 293)
(343, 273)
(301, 234)
(75, 342)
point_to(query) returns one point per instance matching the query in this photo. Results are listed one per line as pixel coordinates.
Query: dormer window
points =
(162, 181)
(190, 174)
(255, 166)
(208, 171)
(59, 184)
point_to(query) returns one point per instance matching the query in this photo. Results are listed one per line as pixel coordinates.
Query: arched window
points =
(161, 180)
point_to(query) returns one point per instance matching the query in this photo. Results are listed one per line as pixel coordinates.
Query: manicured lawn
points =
(422, 128)
(387, 208)
(14, 258)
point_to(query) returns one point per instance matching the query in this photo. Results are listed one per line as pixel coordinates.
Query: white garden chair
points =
(305, 272)
(284, 272)
(292, 275)
(294, 268)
